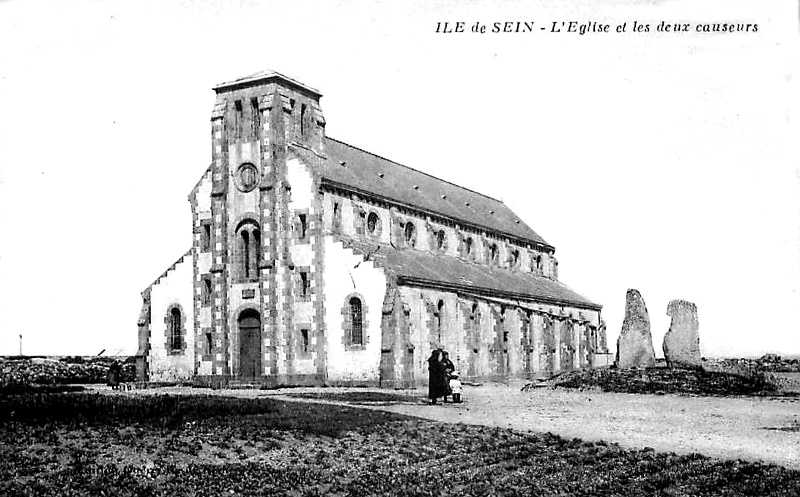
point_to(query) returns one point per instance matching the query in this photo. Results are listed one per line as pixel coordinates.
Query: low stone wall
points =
(50, 371)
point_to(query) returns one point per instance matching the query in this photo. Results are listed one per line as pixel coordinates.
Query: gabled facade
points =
(315, 262)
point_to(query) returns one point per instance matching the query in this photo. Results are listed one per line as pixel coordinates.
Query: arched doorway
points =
(249, 344)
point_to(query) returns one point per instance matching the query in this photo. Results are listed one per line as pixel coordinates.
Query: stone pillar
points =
(537, 328)
(220, 350)
(682, 342)
(635, 343)
(556, 345)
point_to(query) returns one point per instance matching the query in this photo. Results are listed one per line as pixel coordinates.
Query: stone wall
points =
(348, 214)
(491, 338)
(348, 275)
(172, 291)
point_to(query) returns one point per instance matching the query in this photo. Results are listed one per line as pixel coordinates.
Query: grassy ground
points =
(89, 444)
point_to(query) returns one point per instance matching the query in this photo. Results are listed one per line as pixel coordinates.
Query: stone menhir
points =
(682, 341)
(635, 343)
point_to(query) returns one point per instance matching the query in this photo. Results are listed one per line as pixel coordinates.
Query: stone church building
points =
(316, 262)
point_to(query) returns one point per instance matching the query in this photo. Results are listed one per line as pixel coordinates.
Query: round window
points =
(247, 177)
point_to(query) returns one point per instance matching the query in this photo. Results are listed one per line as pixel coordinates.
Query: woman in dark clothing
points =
(447, 364)
(437, 379)
(448, 367)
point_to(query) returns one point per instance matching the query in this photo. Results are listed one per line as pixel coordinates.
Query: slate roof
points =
(373, 174)
(452, 273)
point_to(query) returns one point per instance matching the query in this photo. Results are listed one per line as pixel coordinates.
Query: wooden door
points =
(249, 345)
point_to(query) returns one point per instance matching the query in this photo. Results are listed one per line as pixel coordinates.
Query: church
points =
(314, 262)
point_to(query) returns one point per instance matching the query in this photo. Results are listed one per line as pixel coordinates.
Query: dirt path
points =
(754, 429)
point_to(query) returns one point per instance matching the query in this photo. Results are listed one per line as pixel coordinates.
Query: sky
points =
(664, 162)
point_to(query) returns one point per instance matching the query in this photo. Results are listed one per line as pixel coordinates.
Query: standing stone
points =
(635, 343)
(682, 341)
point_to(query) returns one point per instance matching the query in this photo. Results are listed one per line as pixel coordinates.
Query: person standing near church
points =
(448, 367)
(447, 364)
(437, 378)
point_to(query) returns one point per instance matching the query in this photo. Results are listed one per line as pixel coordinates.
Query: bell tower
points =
(254, 122)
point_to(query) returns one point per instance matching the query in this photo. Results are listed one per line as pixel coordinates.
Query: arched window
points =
(245, 244)
(440, 239)
(468, 245)
(248, 247)
(175, 343)
(410, 234)
(356, 322)
(355, 329)
(515, 258)
(493, 253)
(372, 223)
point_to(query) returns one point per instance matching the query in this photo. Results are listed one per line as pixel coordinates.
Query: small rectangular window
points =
(205, 237)
(302, 226)
(336, 215)
(238, 124)
(302, 119)
(304, 285)
(206, 290)
(256, 120)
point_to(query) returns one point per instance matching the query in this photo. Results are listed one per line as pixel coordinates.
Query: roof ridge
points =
(415, 170)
